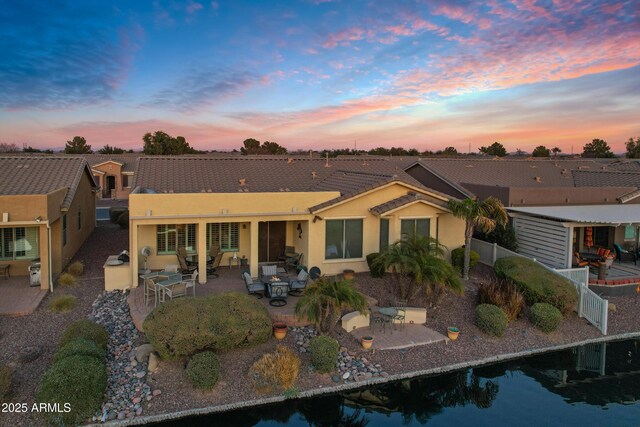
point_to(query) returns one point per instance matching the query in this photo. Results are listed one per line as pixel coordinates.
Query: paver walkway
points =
(409, 335)
(17, 298)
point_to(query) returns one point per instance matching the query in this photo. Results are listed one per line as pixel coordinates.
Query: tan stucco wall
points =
(115, 169)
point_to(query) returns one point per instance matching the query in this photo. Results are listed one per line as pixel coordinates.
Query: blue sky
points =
(315, 74)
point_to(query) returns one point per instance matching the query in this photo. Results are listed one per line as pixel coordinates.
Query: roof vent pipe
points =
(314, 175)
(538, 179)
(326, 161)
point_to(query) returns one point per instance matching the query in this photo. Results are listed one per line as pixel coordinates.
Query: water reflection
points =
(598, 376)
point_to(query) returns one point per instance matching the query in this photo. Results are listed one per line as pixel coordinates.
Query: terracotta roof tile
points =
(584, 178)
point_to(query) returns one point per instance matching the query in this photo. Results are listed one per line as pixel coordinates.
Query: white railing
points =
(590, 305)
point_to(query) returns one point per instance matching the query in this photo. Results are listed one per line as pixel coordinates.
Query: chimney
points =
(242, 182)
(289, 160)
(326, 161)
(538, 179)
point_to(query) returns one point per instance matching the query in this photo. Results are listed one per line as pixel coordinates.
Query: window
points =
(64, 230)
(225, 234)
(417, 226)
(79, 219)
(125, 181)
(19, 243)
(629, 232)
(601, 237)
(343, 239)
(171, 236)
(384, 234)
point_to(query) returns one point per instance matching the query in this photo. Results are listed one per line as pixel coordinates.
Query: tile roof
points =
(22, 175)
(625, 165)
(410, 197)
(583, 178)
(128, 160)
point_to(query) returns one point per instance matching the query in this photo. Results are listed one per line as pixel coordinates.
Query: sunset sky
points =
(321, 74)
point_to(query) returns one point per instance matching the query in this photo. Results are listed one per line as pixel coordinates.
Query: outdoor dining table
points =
(165, 279)
(386, 315)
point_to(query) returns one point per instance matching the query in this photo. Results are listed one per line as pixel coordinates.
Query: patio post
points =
(253, 242)
(202, 252)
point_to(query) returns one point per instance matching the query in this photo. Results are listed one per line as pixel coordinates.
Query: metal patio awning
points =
(591, 214)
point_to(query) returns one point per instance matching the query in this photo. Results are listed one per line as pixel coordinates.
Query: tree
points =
(449, 151)
(556, 150)
(78, 145)
(485, 215)
(323, 301)
(633, 148)
(107, 149)
(541, 151)
(253, 146)
(269, 147)
(597, 148)
(6, 147)
(417, 265)
(495, 149)
(30, 149)
(161, 143)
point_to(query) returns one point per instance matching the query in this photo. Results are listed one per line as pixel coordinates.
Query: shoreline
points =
(370, 382)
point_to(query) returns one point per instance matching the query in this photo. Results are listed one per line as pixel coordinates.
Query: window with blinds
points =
(170, 237)
(19, 243)
(225, 234)
(418, 227)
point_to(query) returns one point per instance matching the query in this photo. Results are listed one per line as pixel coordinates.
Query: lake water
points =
(595, 385)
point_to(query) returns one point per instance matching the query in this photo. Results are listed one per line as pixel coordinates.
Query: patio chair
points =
(578, 261)
(401, 315)
(190, 280)
(150, 288)
(622, 254)
(269, 271)
(299, 284)
(183, 253)
(375, 318)
(278, 292)
(286, 254)
(294, 261)
(253, 288)
(214, 250)
(176, 290)
(185, 268)
(212, 267)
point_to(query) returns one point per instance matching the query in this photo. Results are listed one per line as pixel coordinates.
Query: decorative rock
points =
(121, 415)
(136, 400)
(154, 362)
(31, 353)
(384, 374)
(156, 392)
(140, 374)
(346, 375)
(335, 378)
(142, 352)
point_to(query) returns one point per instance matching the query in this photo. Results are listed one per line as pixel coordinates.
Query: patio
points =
(409, 335)
(17, 298)
(619, 273)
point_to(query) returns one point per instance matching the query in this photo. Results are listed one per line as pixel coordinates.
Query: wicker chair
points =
(185, 268)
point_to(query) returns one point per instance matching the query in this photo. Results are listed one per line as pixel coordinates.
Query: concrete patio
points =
(396, 337)
(17, 298)
(619, 273)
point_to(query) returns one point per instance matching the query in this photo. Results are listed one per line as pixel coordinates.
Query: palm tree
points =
(555, 151)
(417, 264)
(485, 215)
(324, 300)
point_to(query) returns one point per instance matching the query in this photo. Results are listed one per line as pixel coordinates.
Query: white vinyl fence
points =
(590, 305)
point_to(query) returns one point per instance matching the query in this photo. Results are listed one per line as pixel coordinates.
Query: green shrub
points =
(203, 370)
(115, 212)
(76, 268)
(537, 283)
(503, 236)
(504, 295)
(62, 303)
(218, 322)
(276, 371)
(123, 219)
(491, 319)
(77, 381)
(5, 382)
(85, 329)
(375, 268)
(66, 280)
(457, 259)
(81, 347)
(546, 317)
(324, 353)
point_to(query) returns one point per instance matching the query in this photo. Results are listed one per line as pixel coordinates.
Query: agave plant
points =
(324, 300)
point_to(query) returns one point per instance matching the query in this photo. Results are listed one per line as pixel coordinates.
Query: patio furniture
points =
(182, 252)
(268, 271)
(278, 292)
(294, 261)
(288, 252)
(174, 290)
(378, 318)
(214, 250)
(401, 314)
(255, 288)
(578, 261)
(171, 268)
(190, 281)
(622, 254)
(299, 284)
(212, 267)
(185, 268)
(4, 268)
(150, 288)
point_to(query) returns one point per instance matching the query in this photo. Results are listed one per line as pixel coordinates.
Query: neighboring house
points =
(47, 208)
(555, 205)
(334, 212)
(114, 173)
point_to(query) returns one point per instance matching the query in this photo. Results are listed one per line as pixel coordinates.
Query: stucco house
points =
(332, 211)
(47, 208)
(113, 173)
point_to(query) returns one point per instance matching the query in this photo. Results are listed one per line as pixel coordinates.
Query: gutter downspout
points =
(50, 266)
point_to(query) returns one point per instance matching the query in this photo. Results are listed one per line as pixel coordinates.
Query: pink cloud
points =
(458, 13)
(344, 37)
(193, 7)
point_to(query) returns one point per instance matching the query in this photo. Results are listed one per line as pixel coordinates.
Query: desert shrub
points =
(375, 268)
(5, 382)
(324, 353)
(276, 371)
(66, 280)
(80, 347)
(79, 382)
(503, 294)
(115, 212)
(203, 370)
(85, 329)
(218, 322)
(76, 268)
(457, 258)
(62, 303)
(546, 317)
(491, 319)
(537, 283)
(123, 219)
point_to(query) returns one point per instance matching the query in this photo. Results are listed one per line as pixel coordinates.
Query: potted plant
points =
(348, 274)
(452, 333)
(367, 342)
(279, 330)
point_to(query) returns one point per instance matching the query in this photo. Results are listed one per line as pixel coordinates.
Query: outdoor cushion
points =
(269, 270)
